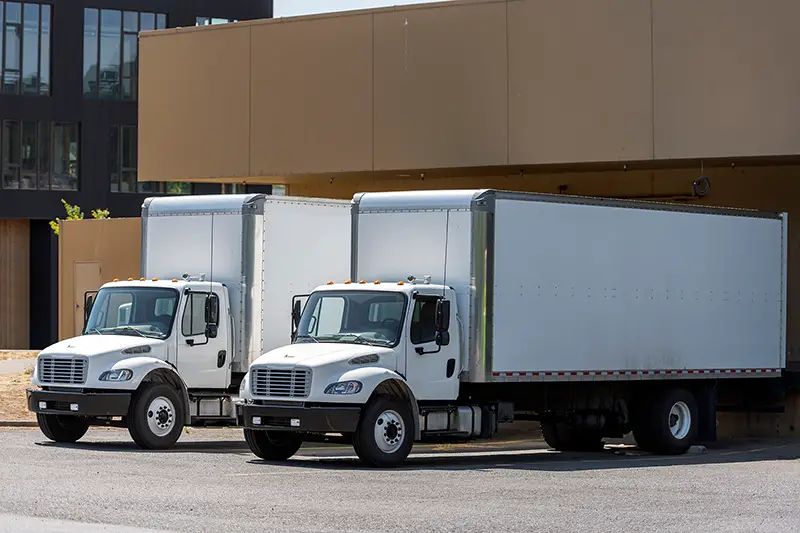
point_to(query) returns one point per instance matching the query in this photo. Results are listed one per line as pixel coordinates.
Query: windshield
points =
(146, 312)
(362, 317)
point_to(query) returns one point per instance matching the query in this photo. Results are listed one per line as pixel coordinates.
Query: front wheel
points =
(59, 428)
(272, 445)
(384, 436)
(156, 417)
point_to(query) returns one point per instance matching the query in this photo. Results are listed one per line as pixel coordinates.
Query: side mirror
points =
(296, 312)
(211, 331)
(443, 338)
(212, 310)
(88, 302)
(442, 315)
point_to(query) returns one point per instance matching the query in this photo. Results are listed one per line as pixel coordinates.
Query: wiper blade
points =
(128, 328)
(307, 337)
(95, 330)
(356, 337)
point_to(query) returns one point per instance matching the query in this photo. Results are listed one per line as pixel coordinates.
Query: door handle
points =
(221, 358)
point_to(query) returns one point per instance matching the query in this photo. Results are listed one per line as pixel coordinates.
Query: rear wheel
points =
(565, 437)
(272, 445)
(156, 417)
(59, 428)
(384, 436)
(668, 425)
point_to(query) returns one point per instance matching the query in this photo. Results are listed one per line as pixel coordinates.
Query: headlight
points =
(344, 387)
(123, 374)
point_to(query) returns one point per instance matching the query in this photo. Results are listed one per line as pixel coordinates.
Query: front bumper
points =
(308, 419)
(79, 403)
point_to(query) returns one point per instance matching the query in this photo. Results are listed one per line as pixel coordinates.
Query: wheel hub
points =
(680, 420)
(160, 416)
(389, 431)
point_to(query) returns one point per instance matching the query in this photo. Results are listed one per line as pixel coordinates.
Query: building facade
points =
(69, 109)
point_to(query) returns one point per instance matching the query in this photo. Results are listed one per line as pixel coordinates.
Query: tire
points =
(60, 428)
(668, 425)
(385, 433)
(566, 438)
(272, 445)
(156, 416)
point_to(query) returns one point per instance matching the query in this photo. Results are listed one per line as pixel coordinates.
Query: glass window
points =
(65, 157)
(423, 321)
(30, 45)
(353, 317)
(110, 53)
(91, 34)
(44, 156)
(11, 154)
(145, 312)
(44, 59)
(194, 314)
(25, 48)
(113, 158)
(128, 159)
(30, 143)
(148, 22)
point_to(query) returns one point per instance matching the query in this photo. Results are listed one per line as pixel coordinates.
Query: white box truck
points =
(170, 349)
(468, 308)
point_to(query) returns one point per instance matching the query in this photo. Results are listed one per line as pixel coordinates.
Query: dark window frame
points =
(161, 22)
(44, 12)
(43, 172)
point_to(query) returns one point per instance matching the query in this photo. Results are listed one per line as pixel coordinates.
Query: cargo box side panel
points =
(306, 244)
(586, 288)
(178, 244)
(395, 245)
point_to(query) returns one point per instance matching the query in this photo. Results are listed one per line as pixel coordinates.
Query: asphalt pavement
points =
(211, 483)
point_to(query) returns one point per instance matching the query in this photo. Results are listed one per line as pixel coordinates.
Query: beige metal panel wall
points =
(194, 111)
(441, 88)
(580, 86)
(726, 77)
(14, 284)
(312, 96)
(90, 253)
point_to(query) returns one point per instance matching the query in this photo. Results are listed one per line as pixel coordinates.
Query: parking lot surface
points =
(210, 483)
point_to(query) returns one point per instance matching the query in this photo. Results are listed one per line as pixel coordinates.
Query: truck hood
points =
(94, 345)
(323, 353)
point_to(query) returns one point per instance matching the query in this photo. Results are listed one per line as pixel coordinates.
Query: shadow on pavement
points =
(552, 461)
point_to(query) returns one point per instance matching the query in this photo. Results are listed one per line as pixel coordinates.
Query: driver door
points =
(203, 361)
(432, 370)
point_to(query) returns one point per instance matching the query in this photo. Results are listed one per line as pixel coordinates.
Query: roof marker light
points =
(174, 281)
(142, 279)
(330, 283)
(348, 282)
(400, 283)
(377, 282)
(363, 281)
(114, 280)
(155, 279)
(130, 279)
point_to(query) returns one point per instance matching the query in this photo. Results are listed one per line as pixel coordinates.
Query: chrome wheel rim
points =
(160, 416)
(390, 431)
(680, 420)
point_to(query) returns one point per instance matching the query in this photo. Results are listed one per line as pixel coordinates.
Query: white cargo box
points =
(554, 287)
(265, 250)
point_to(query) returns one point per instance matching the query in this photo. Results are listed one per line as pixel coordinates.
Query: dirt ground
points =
(17, 354)
(12, 397)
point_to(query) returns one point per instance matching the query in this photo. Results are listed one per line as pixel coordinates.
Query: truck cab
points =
(144, 346)
(356, 350)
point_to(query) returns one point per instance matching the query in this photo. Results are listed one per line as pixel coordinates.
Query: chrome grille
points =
(288, 383)
(68, 371)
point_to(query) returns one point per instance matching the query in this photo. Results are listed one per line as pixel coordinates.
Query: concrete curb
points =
(18, 424)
